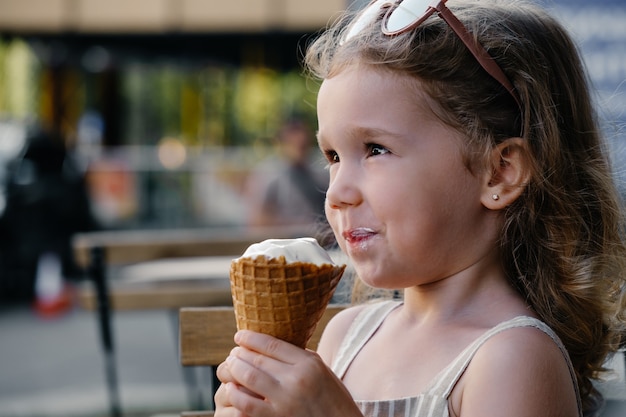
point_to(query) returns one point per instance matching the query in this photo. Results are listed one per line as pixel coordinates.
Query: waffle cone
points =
(285, 300)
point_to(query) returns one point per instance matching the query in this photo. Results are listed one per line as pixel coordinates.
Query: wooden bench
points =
(206, 338)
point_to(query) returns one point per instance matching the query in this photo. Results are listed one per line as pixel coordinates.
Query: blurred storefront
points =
(169, 103)
(166, 103)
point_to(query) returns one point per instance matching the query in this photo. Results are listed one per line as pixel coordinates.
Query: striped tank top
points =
(433, 401)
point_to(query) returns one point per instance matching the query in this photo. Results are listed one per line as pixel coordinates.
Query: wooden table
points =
(103, 255)
(161, 284)
(165, 283)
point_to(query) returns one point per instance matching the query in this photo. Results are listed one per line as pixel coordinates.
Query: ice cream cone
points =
(280, 298)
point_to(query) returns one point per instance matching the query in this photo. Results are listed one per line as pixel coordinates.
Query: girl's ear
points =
(509, 174)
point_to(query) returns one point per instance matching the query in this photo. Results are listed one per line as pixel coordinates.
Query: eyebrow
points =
(366, 133)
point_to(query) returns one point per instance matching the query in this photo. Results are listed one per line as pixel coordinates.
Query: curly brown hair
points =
(562, 240)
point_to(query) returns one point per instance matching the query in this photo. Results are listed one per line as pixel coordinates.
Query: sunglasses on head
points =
(405, 15)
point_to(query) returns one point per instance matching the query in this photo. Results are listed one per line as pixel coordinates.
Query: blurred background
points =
(135, 115)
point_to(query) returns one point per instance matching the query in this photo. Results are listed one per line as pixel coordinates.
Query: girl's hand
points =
(223, 407)
(266, 377)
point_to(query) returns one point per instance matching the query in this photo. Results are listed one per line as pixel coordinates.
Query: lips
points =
(358, 235)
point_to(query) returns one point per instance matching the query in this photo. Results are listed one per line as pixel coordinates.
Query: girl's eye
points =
(331, 156)
(374, 149)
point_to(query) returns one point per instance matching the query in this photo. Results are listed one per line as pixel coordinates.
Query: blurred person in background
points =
(289, 189)
(47, 202)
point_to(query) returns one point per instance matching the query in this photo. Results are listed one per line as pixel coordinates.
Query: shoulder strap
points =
(444, 385)
(361, 330)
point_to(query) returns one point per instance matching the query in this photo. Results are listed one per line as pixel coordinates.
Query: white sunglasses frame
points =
(486, 61)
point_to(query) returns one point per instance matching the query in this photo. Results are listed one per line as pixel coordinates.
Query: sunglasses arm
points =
(481, 55)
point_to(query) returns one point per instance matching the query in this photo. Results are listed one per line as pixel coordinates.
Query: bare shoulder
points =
(520, 372)
(335, 331)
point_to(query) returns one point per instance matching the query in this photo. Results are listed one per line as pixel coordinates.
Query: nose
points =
(343, 190)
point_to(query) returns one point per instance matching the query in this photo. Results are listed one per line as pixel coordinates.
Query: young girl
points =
(466, 168)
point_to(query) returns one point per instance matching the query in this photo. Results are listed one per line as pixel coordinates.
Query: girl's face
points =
(400, 201)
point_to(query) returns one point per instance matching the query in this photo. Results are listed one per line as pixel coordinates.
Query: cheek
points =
(331, 215)
(333, 220)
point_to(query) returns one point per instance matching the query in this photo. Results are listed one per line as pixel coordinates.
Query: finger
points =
(223, 373)
(221, 397)
(223, 405)
(245, 404)
(264, 363)
(280, 373)
(251, 376)
(268, 346)
(276, 364)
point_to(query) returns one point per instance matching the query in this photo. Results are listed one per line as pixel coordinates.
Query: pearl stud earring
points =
(496, 197)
